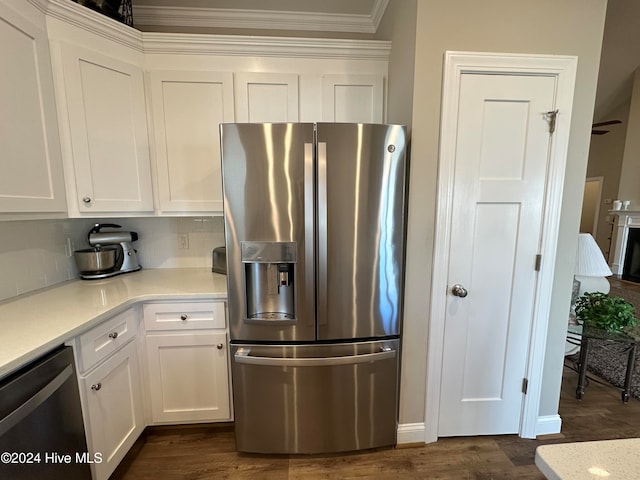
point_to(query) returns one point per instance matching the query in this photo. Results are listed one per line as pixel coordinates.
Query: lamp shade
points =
(589, 259)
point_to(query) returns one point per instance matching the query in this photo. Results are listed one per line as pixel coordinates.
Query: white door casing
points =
(531, 202)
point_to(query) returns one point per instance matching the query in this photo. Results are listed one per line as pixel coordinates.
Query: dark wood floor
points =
(207, 452)
(624, 284)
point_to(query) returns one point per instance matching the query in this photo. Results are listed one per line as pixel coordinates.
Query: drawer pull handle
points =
(184, 316)
(96, 386)
(113, 335)
(219, 346)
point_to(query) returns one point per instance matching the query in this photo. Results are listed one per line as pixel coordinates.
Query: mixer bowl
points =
(96, 260)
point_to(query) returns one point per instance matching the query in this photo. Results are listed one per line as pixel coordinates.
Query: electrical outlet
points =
(183, 241)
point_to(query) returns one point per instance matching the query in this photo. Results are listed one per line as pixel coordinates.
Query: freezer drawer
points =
(315, 398)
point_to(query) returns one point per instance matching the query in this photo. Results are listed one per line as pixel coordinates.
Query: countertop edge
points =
(32, 353)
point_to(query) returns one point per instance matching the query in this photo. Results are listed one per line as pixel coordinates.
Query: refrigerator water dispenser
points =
(270, 280)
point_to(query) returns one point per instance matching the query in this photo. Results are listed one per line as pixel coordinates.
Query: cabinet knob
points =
(219, 346)
(86, 199)
(96, 386)
(113, 335)
(184, 316)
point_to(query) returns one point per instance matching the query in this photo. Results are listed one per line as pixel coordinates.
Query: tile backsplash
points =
(38, 253)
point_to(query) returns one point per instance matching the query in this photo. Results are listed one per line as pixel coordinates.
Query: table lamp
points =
(589, 276)
(591, 267)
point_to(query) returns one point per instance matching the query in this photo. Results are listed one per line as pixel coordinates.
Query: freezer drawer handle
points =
(242, 356)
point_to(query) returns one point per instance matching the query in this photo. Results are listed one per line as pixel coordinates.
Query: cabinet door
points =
(108, 126)
(113, 409)
(266, 97)
(353, 98)
(188, 377)
(31, 177)
(188, 108)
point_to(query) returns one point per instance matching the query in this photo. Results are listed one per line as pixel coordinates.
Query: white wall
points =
(566, 27)
(629, 188)
(605, 160)
(399, 26)
(34, 254)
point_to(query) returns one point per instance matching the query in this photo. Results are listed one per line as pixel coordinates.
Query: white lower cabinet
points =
(187, 365)
(109, 375)
(188, 377)
(185, 368)
(114, 408)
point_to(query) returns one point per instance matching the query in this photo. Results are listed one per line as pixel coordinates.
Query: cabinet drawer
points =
(184, 316)
(99, 342)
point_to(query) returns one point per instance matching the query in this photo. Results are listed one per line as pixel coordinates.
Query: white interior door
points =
(501, 157)
(591, 205)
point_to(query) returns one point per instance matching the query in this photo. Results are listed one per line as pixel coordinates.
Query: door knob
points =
(459, 291)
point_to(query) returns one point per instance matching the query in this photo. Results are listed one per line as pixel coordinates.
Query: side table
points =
(588, 334)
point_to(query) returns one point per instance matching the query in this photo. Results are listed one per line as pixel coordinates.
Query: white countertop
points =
(33, 324)
(610, 459)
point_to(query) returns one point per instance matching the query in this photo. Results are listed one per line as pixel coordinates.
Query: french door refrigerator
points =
(314, 225)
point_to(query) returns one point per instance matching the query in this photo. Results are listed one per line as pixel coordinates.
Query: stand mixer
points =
(111, 253)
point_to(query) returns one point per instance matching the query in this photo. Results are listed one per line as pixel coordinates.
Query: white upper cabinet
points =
(353, 98)
(31, 179)
(138, 113)
(188, 107)
(267, 97)
(106, 111)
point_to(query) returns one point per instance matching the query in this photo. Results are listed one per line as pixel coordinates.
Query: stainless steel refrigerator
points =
(314, 225)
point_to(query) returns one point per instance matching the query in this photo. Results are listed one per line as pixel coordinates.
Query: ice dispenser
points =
(270, 280)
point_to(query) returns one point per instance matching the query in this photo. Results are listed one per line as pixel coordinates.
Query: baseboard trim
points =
(410, 433)
(548, 424)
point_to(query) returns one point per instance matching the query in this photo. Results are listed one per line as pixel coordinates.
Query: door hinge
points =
(538, 262)
(551, 118)
(525, 385)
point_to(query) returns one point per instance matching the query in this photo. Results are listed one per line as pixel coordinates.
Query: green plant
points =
(602, 311)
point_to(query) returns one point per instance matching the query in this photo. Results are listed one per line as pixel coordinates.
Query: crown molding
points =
(149, 42)
(39, 4)
(288, 47)
(377, 12)
(150, 15)
(82, 17)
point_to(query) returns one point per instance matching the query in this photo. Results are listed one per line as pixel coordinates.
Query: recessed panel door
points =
(501, 161)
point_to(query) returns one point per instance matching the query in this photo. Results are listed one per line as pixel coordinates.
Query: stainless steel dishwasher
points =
(41, 428)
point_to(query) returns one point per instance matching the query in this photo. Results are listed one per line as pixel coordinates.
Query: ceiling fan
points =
(602, 124)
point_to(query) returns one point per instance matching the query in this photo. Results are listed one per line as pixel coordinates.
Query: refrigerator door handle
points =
(309, 240)
(243, 356)
(322, 234)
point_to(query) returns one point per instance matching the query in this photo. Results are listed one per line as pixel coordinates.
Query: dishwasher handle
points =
(35, 401)
(243, 356)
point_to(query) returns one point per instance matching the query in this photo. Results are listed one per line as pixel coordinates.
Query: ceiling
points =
(620, 49)
(620, 57)
(355, 16)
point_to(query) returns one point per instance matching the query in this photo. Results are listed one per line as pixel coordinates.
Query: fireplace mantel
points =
(625, 219)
